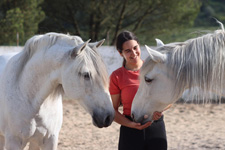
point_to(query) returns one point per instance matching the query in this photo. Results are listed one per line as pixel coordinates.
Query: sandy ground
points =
(189, 127)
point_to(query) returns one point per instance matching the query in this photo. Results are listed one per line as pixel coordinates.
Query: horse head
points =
(175, 67)
(85, 78)
(155, 90)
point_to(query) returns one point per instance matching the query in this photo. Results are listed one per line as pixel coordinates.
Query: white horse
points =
(4, 59)
(173, 68)
(32, 85)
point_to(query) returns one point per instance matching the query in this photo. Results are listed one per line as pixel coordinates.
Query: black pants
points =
(151, 138)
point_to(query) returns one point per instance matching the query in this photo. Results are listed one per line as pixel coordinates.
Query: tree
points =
(97, 19)
(167, 18)
(19, 17)
(209, 10)
(11, 25)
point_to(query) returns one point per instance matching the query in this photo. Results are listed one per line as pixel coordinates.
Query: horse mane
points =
(199, 62)
(43, 42)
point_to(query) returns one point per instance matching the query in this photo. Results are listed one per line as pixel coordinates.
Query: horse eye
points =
(86, 76)
(148, 80)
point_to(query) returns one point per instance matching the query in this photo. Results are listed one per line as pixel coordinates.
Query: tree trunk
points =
(75, 24)
(118, 26)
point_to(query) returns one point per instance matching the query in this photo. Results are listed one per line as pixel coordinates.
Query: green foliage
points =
(170, 20)
(211, 9)
(10, 26)
(182, 35)
(168, 17)
(20, 17)
(33, 15)
(87, 18)
(97, 19)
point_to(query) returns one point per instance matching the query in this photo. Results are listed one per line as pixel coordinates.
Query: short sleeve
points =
(114, 84)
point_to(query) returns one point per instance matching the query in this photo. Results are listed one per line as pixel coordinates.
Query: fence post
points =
(17, 38)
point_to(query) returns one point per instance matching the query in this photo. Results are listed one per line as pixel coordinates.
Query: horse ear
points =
(155, 55)
(78, 49)
(159, 43)
(97, 44)
(100, 43)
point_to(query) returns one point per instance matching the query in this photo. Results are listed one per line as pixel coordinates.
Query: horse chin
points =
(101, 124)
(97, 125)
(143, 119)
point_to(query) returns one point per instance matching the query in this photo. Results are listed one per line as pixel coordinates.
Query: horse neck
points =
(200, 63)
(39, 78)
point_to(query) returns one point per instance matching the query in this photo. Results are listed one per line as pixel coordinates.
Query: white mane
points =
(40, 42)
(199, 62)
(43, 42)
(88, 56)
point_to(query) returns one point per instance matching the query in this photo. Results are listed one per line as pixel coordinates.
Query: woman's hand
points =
(157, 115)
(139, 126)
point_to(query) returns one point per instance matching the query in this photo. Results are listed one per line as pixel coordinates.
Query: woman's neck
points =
(134, 67)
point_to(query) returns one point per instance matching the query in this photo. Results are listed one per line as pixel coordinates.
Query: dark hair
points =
(123, 37)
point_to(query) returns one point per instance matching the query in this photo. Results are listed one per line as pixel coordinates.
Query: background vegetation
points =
(169, 20)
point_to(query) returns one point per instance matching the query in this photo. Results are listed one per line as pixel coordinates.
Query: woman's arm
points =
(121, 119)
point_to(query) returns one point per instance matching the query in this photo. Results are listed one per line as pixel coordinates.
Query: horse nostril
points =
(107, 121)
(132, 115)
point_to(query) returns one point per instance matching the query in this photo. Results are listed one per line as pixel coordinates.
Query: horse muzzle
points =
(141, 119)
(101, 120)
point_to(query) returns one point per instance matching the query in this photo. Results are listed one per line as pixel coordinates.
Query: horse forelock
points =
(199, 62)
(146, 67)
(91, 59)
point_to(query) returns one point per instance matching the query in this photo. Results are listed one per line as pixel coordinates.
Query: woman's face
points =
(131, 52)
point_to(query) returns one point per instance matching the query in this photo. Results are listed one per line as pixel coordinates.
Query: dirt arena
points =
(189, 127)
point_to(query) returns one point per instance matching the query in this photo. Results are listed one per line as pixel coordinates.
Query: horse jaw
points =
(154, 96)
(144, 105)
(89, 92)
(102, 114)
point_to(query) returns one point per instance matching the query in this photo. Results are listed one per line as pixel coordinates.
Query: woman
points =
(123, 87)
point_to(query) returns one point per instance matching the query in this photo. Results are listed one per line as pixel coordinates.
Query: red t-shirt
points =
(124, 82)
